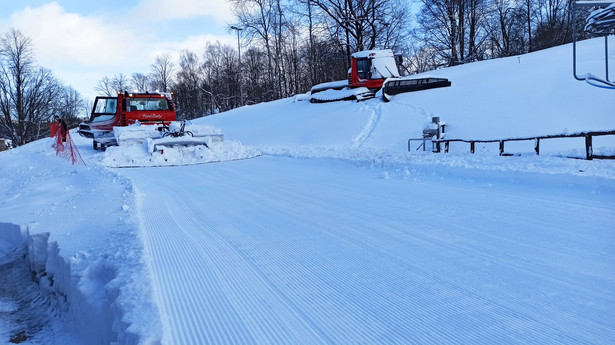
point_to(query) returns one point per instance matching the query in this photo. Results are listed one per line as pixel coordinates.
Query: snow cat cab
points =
(370, 71)
(123, 110)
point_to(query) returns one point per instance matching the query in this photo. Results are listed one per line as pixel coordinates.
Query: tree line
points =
(287, 46)
(30, 95)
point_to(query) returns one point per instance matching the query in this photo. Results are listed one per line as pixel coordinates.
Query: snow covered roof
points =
(373, 53)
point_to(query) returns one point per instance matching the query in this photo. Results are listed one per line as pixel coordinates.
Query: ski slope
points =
(333, 233)
(284, 251)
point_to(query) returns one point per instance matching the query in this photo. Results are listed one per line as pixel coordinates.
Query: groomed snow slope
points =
(284, 251)
(337, 234)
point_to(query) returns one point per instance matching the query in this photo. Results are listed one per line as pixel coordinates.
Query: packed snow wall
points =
(41, 288)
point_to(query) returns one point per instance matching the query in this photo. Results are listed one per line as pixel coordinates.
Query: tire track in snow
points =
(375, 110)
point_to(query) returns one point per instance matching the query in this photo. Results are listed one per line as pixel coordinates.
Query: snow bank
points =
(83, 242)
(90, 309)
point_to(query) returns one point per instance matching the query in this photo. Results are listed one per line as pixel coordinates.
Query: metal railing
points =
(599, 26)
(589, 152)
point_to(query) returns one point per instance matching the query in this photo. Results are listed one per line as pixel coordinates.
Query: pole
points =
(239, 65)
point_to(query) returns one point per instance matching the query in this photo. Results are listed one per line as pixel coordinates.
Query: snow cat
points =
(143, 129)
(371, 71)
(123, 110)
(133, 118)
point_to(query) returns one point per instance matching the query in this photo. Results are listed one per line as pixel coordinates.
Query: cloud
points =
(154, 10)
(82, 48)
(58, 36)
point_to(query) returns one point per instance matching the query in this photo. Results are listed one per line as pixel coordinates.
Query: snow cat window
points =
(104, 109)
(364, 67)
(155, 104)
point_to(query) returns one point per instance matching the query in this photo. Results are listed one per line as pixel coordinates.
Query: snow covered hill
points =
(336, 234)
(532, 94)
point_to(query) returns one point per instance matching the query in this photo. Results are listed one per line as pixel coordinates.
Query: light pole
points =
(239, 64)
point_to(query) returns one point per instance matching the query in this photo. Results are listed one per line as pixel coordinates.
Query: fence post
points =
(589, 151)
(537, 146)
(501, 147)
(472, 147)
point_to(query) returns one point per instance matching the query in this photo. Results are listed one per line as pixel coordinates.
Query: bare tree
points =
(255, 65)
(455, 29)
(421, 58)
(71, 107)
(364, 23)
(439, 25)
(475, 18)
(191, 100)
(111, 86)
(120, 83)
(258, 19)
(105, 87)
(506, 27)
(27, 92)
(140, 81)
(312, 53)
(162, 72)
(528, 10)
(553, 27)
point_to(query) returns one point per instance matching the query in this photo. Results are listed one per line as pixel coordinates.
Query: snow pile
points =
(135, 134)
(138, 133)
(148, 146)
(345, 93)
(340, 84)
(143, 155)
(201, 130)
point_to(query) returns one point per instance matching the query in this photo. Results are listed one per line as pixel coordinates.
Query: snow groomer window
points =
(148, 104)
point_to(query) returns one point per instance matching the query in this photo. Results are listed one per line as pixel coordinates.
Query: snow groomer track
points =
(250, 254)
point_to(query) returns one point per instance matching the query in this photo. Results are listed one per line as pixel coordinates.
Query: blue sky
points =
(83, 41)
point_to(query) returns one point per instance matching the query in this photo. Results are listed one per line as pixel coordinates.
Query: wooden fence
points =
(589, 152)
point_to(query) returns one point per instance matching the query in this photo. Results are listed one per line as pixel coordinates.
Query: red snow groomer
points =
(123, 110)
(370, 71)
